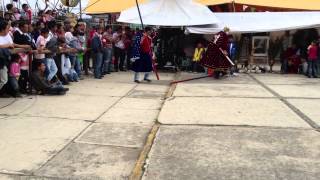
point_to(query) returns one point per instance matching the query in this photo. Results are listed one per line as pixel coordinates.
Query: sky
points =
(41, 3)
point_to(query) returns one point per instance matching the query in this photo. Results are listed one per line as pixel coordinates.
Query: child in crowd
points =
(41, 47)
(16, 14)
(26, 13)
(198, 53)
(312, 59)
(24, 71)
(14, 74)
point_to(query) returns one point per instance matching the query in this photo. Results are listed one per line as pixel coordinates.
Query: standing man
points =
(128, 46)
(52, 45)
(107, 41)
(5, 43)
(232, 53)
(286, 44)
(98, 53)
(312, 58)
(26, 13)
(119, 50)
(144, 62)
(215, 57)
(21, 37)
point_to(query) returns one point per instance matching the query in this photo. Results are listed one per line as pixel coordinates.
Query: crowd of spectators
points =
(53, 54)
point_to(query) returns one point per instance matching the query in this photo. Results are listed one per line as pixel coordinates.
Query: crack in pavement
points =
(140, 165)
(81, 132)
(289, 105)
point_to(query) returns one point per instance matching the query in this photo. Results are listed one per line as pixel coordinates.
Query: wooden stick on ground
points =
(190, 79)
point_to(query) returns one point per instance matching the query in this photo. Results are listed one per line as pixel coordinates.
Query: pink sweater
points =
(313, 52)
(14, 70)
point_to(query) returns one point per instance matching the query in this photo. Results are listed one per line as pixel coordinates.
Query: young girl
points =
(312, 59)
(14, 75)
(24, 71)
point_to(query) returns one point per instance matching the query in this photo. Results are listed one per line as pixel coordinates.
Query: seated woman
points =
(39, 82)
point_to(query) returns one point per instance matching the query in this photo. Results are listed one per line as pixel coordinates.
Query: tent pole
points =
(137, 3)
(3, 8)
(80, 4)
(233, 6)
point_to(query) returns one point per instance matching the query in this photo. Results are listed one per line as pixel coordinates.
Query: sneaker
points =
(148, 80)
(137, 81)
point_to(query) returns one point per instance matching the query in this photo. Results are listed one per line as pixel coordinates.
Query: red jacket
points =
(146, 44)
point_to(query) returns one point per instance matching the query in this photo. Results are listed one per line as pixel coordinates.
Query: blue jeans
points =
(75, 62)
(284, 66)
(55, 89)
(3, 76)
(73, 76)
(137, 75)
(312, 68)
(14, 84)
(98, 65)
(52, 68)
(107, 58)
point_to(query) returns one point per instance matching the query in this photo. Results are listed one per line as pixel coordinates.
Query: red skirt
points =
(215, 59)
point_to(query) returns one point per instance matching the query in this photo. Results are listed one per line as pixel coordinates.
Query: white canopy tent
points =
(170, 13)
(248, 22)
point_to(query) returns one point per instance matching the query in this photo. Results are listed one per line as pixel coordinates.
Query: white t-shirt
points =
(65, 65)
(6, 40)
(120, 43)
(41, 41)
(68, 36)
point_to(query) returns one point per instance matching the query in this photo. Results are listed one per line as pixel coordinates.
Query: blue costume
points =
(143, 61)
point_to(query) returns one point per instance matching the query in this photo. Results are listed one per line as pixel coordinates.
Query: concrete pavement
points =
(96, 131)
(257, 126)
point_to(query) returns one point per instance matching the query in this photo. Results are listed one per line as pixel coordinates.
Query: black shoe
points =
(148, 80)
(61, 92)
(66, 89)
(18, 95)
(5, 96)
(136, 81)
(65, 83)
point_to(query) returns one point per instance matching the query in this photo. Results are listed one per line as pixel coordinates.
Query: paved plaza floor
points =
(253, 126)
